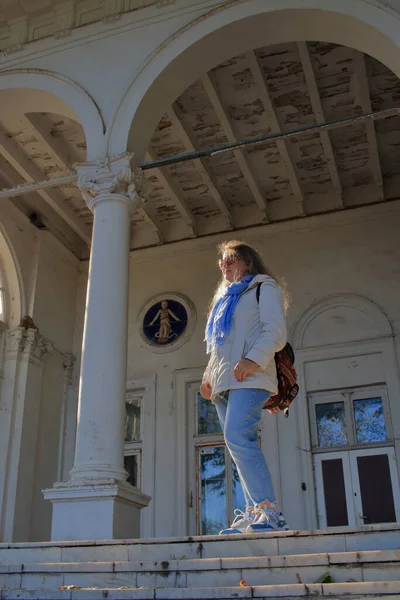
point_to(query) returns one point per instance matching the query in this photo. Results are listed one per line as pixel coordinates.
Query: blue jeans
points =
(239, 412)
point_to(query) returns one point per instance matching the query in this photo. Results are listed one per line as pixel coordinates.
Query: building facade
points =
(108, 263)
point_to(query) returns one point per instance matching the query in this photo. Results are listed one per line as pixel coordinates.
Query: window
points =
(133, 438)
(214, 475)
(139, 447)
(351, 439)
(349, 418)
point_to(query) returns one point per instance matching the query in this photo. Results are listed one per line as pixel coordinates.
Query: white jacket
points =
(258, 331)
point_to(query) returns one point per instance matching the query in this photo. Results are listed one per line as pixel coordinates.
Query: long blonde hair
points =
(255, 266)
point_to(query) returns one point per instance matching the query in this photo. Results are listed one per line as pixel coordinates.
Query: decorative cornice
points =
(61, 17)
(28, 344)
(111, 179)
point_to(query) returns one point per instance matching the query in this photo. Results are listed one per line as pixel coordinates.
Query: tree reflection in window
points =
(131, 466)
(207, 418)
(331, 424)
(213, 490)
(132, 420)
(238, 496)
(370, 420)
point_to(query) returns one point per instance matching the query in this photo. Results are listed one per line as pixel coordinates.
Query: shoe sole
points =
(266, 529)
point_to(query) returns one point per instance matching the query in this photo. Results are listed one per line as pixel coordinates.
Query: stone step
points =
(364, 566)
(340, 539)
(381, 590)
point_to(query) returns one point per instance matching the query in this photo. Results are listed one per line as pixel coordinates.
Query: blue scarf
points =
(220, 319)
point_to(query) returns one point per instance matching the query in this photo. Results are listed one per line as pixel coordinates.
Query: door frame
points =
(348, 486)
(351, 482)
(304, 463)
(182, 379)
(146, 388)
(390, 452)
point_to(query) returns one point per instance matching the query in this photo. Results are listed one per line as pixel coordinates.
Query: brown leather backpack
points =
(287, 378)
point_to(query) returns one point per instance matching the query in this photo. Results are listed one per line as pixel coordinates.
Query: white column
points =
(25, 354)
(101, 410)
(68, 364)
(97, 502)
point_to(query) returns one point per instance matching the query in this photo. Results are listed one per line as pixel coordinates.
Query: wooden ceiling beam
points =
(282, 145)
(174, 193)
(365, 99)
(240, 157)
(32, 204)
(17, 158)
(316, 104)
(188, 141)
(43, 134)
(148, 215)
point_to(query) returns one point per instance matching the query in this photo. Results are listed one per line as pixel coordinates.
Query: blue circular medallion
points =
(165, 322)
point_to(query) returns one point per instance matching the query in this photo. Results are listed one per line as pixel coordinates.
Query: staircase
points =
(363, 562)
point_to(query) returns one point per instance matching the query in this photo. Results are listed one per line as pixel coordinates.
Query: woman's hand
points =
(244, 368)
(205, 390)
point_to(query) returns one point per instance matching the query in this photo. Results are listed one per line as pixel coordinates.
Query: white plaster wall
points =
(55, 298)
(47, 447)
(47, 275)
(55, 313)
(354, 252)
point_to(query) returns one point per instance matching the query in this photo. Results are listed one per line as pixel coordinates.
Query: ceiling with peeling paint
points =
(271, 89)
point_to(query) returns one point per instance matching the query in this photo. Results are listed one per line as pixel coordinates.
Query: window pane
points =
(213, 490)
(376, 490)
(369, 420)
(334, 492)
(132, 420)
(131, 465)
(331, 424)
(207, 417)
(238, 497)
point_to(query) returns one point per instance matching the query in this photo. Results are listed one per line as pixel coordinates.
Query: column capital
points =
(27, 343)
(109, 179)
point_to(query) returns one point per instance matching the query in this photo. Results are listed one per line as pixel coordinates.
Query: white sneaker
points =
(267, 520)
(240, 523)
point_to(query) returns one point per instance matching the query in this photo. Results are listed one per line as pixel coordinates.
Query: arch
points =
(11, 281)
(223, 32)
(339, 319)
(51, 92)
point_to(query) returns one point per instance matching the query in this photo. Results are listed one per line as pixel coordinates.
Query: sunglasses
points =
(224, 263)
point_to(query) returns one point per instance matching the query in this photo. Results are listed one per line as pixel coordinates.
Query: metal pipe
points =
(262, 139)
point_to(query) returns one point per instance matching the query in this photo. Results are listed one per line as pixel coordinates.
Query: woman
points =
(244, 330)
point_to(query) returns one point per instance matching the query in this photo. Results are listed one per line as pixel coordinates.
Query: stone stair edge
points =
(361, 557)
(333, 531)
(333, 590)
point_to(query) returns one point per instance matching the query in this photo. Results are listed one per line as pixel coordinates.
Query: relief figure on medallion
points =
(165, 331)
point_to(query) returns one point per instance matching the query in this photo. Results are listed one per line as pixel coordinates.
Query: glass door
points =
(354, 460)
(376, 488)
(215, 489)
